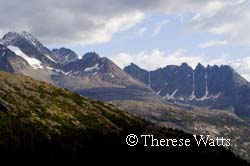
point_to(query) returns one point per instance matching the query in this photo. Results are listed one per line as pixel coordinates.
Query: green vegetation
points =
(39, 122)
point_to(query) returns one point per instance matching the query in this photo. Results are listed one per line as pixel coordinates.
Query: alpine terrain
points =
(40, 122)
(218, 87)
(92, 75)
(35, 115)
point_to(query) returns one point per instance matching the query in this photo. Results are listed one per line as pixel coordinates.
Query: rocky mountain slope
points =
(64, 55)
(40, 122)
(55, 114)
(219, 87)
(91, 75)
(10, 62)
(26, 44)
(200, 120)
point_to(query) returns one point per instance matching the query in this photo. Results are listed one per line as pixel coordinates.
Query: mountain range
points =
(92, 75)
(217, 87)
(43, 123)
(162, 96)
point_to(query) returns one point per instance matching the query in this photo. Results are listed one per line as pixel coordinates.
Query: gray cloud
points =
(231, 19)
(95, 21)
(67, 21)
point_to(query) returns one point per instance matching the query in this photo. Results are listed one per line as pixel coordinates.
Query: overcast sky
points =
(150, 33)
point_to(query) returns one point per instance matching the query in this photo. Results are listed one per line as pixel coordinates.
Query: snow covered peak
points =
(29, 37)
(33, 62)
(28, 44)
(12, 38)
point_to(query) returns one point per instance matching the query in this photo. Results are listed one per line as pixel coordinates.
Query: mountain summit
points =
(92, 75)
(43, 123)
(64, 55)
(215, 86)
(98, 77)
(27, 44)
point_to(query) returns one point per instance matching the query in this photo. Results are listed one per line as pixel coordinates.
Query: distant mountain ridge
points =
(100, 78)
(214, 86)
(91, 75)
(43, 123)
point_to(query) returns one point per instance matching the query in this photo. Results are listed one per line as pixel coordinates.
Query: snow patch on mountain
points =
(89, 69)
(111, 75)
(171, 97)
(33, 62)
(159, 92)
(211, 97)
(50, 68)
(192, 96)
(149, 80)
(63, 72)
(50, 58)
(3, 53)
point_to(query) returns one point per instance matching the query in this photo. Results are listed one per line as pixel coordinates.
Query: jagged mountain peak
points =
(184, 64)
(26, 33)
(28, 36)
(91, 64)
(18, 39)
(215, 86)
(133, 66)
(11, 38)
(64, 55)
(200, 66)
(91, 55)
(227, 67)
(98, 72)
(213, 66)
(63, 49)
(30, 46)
(170, 67)
(185, 67)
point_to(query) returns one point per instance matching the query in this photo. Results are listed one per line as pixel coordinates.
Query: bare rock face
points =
(10, 62)
(64, 55)
(98, 77)
(30, 46)
(215, 86)
(92, 75)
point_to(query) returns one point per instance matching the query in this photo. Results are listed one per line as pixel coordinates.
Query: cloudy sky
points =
(150, 33)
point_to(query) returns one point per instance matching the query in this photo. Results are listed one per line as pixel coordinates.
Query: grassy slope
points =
(41, 122)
